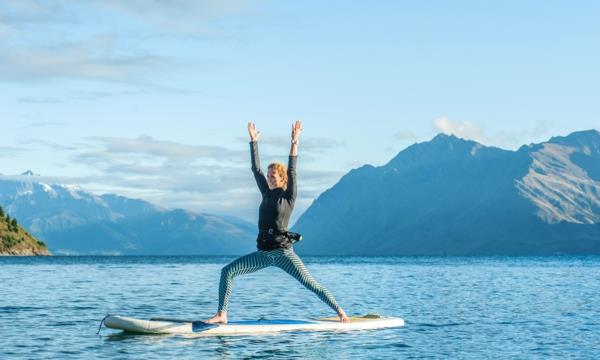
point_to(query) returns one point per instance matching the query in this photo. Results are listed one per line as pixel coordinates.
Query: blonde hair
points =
(281, 171)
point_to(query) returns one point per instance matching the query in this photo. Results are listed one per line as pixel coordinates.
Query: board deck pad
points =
(164, 325)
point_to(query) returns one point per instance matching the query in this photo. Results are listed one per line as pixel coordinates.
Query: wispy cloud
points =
(405, 135)
(188, 17)
(314, 144)
(173, 174)
(308, 144)
(40, 124)
(55, 40)
(187, 164)
(74, 61)
(18, 13)
(45, 144)
(67, 97)
(9, 151)
(170, 15)
(169, 150)
(165, 167)
(6, 30)
(202, 178)
(40, 100)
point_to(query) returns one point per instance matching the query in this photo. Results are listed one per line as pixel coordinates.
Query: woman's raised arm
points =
(291, 170)
(261, 181)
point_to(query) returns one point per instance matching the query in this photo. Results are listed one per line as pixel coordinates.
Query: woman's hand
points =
(296, 130)
(254, 134)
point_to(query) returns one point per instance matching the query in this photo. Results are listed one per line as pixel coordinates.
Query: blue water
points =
(497, 307)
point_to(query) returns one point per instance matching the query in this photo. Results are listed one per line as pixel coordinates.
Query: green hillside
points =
(14, 240)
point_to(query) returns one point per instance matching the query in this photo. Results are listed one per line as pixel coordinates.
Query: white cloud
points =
(461, 129)
(492, 137)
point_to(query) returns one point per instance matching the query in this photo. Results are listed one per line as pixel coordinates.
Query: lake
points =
(457, 307)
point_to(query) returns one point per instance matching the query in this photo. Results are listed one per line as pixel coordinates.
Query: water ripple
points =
(490, 307)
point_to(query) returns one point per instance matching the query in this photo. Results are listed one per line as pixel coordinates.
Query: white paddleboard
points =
(175, 326)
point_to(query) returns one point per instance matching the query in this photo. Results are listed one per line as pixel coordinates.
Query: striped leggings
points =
(286, 259)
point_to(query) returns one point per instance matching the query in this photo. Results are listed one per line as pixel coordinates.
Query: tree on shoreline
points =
(14, 225)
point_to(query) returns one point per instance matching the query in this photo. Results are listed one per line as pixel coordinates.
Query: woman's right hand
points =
(254, 134)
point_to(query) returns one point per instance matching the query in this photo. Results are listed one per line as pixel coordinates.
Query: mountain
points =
(451, 196)
(14, 240)
(71, 220)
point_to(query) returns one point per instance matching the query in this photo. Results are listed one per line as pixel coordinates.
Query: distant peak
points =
(584, 133)
(584, 137)
(443, 136)
(451, 138)
(29, 173)
(443, 145)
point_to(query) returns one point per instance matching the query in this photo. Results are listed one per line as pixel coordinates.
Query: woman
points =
(274, 244)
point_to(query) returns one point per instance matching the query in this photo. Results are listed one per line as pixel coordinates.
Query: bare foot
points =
(220, 318)
(343, 317)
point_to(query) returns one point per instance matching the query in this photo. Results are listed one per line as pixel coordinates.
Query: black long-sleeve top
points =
(276, 206)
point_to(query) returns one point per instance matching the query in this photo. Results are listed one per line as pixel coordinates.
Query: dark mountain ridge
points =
(458, 197)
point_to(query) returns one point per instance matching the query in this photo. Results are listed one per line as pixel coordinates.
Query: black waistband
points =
(272, 231)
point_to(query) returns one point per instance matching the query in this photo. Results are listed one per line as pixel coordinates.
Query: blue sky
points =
(151, 99)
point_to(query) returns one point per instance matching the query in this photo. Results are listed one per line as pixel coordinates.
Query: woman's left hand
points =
(296, 130)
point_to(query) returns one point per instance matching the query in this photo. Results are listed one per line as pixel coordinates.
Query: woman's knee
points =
(227, 272)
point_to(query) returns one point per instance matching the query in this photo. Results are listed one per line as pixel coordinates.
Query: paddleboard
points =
(245, 327)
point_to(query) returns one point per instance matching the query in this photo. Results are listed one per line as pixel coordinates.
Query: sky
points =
(150, 99)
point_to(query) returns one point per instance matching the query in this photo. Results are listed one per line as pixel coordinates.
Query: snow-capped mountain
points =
(71, 220)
